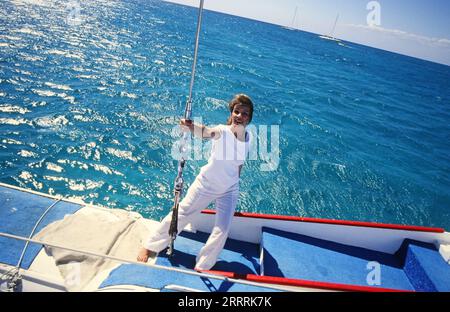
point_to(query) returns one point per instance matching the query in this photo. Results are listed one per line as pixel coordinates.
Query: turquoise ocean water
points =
(89, 98)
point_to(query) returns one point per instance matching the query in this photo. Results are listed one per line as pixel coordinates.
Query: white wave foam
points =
(128, 95)
(119, 64)
(76, 187)
(340, 168)
(44, 92)
(97, 167)
(92, 117)
(57, 86)
(157, 21)
(71, 150)
(66, 54)
(73, 163)
(161, 190)
(139, 116)
(224, 65)
(13, 81)
(102, 168)
(54, 167)
(32, 58)
(15, 122)
(66, 97)
(2, 94)
(25, 153)
(52, 178)
(106, 169)
(132, 190)
(78, 69)
(111, 44)
(84, 185)
(87, 76)
(47, 122)
(27, 177)
(13, 109)
(216, 103)
(12, 141)
(81, 118)
(37, 164)
(7, 37)
(24, 72)
(121, 154)
(70, 99)
(29, 31)
(87, 150)
(37, 104)
(50, 93)
(126, 63)
(44, 3)
(97, 155)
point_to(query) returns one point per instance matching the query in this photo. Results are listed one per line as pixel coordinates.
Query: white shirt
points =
(221, 173)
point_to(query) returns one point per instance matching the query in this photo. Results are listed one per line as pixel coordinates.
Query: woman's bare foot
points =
(144, 254)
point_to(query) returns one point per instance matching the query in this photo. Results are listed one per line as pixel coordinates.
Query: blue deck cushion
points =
(302, 257)
(425, 267)
(19, 212)
(132, 274)
(237, 256)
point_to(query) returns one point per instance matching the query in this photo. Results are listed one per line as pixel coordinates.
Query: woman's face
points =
(240, 115)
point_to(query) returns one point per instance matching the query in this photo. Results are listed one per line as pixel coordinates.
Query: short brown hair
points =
(244, 100)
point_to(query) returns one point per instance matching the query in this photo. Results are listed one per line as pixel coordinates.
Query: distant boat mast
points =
(295, 16)
(331, 35)
(292, 25)
(334, 27)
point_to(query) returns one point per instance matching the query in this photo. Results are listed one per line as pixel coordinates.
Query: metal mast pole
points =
(178, 185)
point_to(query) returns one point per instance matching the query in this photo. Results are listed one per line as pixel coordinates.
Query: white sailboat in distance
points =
(292, 25)
(331, 36)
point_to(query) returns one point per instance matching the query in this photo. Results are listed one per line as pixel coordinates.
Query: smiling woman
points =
(218, 181)
(241, 109)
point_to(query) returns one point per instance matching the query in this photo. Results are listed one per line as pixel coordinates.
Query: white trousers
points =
(198, 197)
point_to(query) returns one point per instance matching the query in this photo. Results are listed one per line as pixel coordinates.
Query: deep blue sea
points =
(89, 98)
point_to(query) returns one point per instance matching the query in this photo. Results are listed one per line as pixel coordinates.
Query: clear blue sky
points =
(419, 28)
